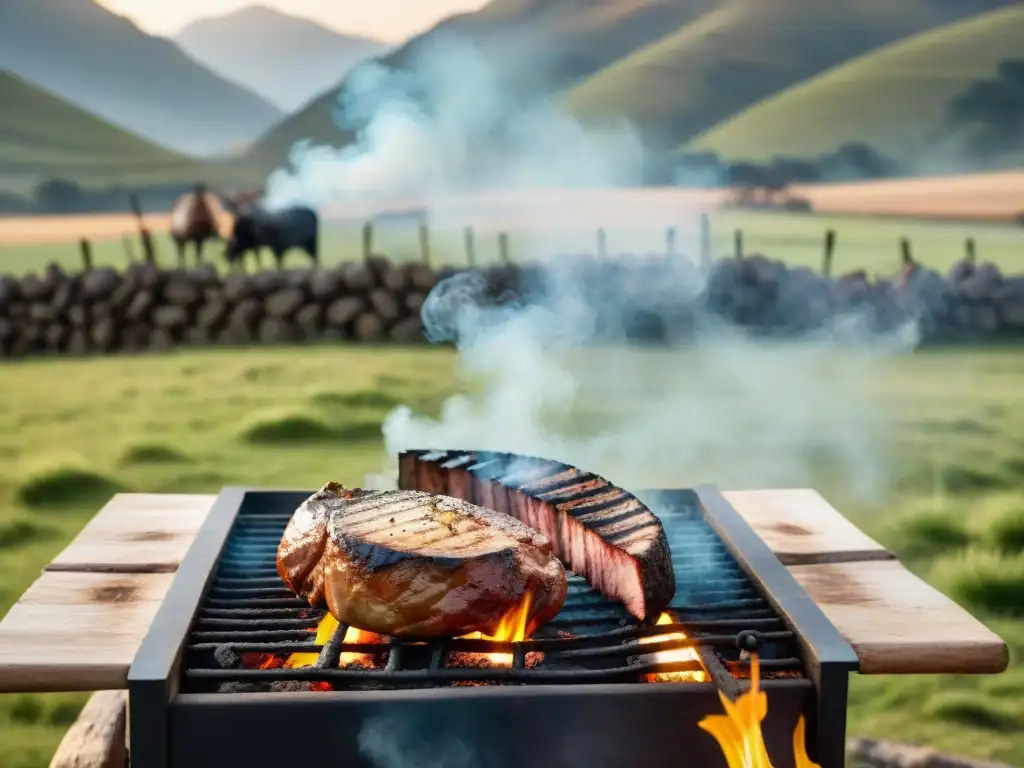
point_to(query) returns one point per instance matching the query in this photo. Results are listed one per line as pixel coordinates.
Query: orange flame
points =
(738, 731)
(324, 632)
(513, 627)
(679, 654)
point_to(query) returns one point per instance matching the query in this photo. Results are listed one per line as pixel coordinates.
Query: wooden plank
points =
(77, 631)
(801, 527)
(897, 624)
(97, 738)
(137, 533)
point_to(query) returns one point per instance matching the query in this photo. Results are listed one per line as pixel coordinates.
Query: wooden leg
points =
(97, 738)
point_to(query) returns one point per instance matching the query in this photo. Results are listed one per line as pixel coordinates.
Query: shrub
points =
(1006, 532)
(151, 453)
(984, 581)
(66, 484)
(284, 428)
(926, 534)
(972, 709)
(14, 533)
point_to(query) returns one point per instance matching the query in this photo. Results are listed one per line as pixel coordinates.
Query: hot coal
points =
(226, 657)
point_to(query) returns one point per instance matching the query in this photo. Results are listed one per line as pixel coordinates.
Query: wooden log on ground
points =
(869, 753)
(97, 738)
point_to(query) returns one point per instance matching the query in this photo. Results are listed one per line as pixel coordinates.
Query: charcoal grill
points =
(197, 702)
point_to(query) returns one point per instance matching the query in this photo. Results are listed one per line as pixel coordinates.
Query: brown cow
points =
(194, 220)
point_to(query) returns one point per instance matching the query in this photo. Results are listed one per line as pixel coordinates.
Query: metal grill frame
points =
(161, 715)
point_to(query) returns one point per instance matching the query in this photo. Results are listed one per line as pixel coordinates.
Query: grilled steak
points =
(417, 565)
(599, 531)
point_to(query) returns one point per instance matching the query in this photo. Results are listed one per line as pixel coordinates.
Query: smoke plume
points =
(549, 375)
(550, 378)
(449, 122)
(417, 742)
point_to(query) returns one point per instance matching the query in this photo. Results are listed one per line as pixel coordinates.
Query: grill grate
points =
(248, 615)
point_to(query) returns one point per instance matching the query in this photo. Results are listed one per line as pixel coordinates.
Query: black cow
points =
(280, 231)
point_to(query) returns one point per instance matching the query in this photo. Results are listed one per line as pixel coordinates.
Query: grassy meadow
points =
(889, 97)
(73, 432)
(863, 242)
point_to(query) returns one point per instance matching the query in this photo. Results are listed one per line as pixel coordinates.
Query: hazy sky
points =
(390, 20)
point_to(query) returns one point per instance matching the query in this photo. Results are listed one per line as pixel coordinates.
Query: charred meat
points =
(596, 529)
(417, 565)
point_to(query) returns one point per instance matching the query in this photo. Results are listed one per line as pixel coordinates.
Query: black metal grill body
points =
(195, 704)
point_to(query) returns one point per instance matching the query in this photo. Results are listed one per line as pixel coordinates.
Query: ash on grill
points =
(251, 633)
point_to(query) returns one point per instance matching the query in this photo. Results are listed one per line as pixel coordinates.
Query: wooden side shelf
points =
(896, 623)
(79, 626)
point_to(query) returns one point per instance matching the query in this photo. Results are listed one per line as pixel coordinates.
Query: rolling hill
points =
(539, 47)
(43, 135)
(285, 59)
(106, 65)
(742, 51)
(892, 98)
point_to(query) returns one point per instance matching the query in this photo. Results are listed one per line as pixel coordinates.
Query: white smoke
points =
(420, 131)
(726, 409)
(418, 741)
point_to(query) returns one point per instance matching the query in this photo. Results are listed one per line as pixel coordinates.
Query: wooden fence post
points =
(145, 236)
(737, 243)
(829, 253)
(503, 253)
(906, 257)
(969, 252)
(705, 241)
(470, 247)
(367, 240)
(425, 244)
(129, 251)
(86, 248)
(670, 241)
(602, 244)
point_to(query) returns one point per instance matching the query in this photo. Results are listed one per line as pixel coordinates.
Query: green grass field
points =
(948, 428)
(862, 243)
(887, 98)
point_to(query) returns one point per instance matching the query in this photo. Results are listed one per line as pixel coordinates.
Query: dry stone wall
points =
(147, 308)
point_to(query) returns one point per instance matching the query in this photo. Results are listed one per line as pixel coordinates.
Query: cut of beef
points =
(597, 530)
(418, 565)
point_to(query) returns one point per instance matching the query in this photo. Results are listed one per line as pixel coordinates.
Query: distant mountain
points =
(105, 64)
(285, 59)
(537, 48)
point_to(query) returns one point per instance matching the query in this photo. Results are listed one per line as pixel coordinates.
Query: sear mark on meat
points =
(599, 531)
(417, 565)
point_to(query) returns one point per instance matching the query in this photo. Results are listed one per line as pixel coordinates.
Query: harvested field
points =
(984, 197)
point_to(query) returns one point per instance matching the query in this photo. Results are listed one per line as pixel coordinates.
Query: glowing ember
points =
(512, 628)
(738, 731)
(324, 632)
(679, 654)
